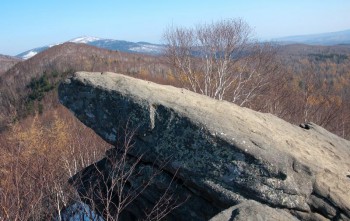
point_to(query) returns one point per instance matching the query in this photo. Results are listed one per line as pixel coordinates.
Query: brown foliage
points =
(6, 62)
(37, 158)
(40, 154)
(318, 83)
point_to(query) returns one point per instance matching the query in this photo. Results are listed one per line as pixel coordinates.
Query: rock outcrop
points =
(228, 162)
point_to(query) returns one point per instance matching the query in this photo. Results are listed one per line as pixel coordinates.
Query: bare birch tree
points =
(219, 60)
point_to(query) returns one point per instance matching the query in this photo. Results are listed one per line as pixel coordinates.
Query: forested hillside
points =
(23, 87)
(319, 85)
(6, 62)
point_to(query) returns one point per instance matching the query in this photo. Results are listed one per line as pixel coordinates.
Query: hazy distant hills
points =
(331, 38)
(110, 44)
(324, 39)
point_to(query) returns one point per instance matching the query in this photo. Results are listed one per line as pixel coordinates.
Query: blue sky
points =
(27, 24)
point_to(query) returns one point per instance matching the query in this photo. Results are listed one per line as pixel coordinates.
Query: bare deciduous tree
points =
(220, 60)
(113, 187)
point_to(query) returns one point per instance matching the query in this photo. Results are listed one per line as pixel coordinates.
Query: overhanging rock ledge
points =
(224, 156)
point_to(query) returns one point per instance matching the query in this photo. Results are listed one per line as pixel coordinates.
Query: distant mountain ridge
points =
(330, 38)
(324, 39)
(110, 44)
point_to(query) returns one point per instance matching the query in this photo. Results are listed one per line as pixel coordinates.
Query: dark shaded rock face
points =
(211, 155)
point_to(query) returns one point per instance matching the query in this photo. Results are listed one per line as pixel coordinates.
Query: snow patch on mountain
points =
(29, 55)
(84, 39)
(54, 45)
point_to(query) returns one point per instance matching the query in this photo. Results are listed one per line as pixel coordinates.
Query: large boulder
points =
(222, 154)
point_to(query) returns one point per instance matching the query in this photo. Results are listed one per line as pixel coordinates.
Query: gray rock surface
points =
(222, 154)
(253, 211)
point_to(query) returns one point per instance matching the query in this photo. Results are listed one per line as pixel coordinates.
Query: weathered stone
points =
(221, 152)
(322, 206)
(310, 216)
(252, 211)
